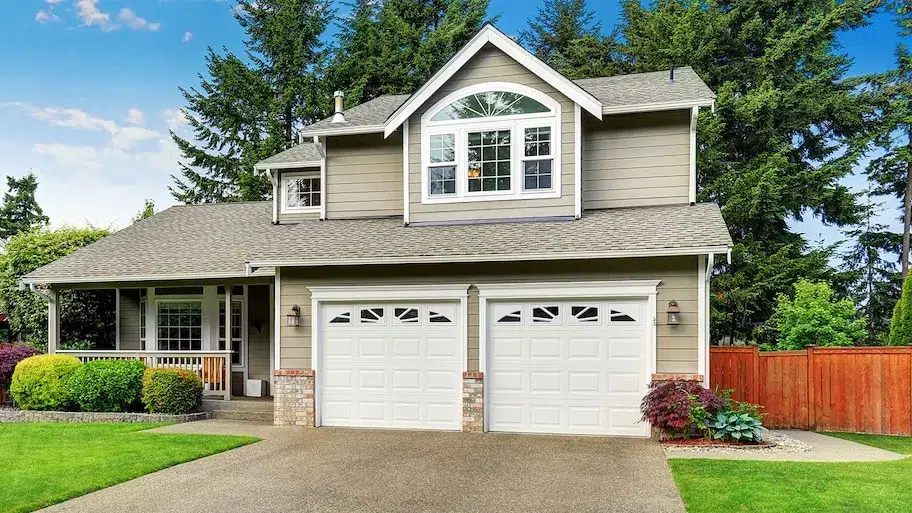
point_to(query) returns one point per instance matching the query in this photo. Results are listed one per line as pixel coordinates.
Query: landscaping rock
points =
(9, 415)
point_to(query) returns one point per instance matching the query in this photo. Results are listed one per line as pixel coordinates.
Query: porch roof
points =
(217, 241)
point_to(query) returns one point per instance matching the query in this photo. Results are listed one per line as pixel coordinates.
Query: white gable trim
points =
(490, 34)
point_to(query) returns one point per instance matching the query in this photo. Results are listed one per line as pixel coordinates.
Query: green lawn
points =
(42, 464)
(726, 486)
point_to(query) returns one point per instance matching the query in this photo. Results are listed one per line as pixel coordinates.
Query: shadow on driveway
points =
(346, 470)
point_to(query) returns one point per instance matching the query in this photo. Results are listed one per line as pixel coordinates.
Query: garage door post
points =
(473, 402)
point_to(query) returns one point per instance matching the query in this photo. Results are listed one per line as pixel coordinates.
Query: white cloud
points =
(54, 2)
(136, 117)
(46, 16)
(188, 36)
(91, 15)
(122, 138)
(175, 119)
(135, 22)
(70, 155)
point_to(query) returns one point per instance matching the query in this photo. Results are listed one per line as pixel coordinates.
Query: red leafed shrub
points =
(9, 357)
(678, 406)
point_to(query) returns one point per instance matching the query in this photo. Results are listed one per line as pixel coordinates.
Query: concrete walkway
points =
(823, 449)
(346, 470)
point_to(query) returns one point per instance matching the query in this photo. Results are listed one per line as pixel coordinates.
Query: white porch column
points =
(53, 322)
(228, 339)
(151, 321)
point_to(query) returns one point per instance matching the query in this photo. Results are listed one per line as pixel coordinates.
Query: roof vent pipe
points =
(671, 74)
(338, 117)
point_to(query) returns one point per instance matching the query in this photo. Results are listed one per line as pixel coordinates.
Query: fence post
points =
(755, 390)
(812, 413)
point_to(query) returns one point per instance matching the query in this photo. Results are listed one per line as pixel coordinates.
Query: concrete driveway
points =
(344, 470)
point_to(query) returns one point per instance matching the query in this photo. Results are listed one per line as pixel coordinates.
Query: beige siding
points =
(636, 160)
(489, 65)
(259, 326)
(129, 320)
(364, 176)
(297, 216)
(677, 345)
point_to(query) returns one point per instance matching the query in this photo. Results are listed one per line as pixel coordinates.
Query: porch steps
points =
(258, 410)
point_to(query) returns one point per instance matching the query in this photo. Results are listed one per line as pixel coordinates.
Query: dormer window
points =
(301, 192)
(491, 142)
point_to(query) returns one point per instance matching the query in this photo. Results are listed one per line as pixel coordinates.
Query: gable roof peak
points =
(490, 34)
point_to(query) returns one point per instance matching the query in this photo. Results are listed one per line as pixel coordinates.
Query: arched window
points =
(491, 141)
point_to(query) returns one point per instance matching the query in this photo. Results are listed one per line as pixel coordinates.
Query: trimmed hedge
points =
(42, 382)
(171, 391)
(9, 357)
(108, 385)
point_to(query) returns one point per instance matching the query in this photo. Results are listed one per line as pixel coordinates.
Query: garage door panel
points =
(576, 367)
(394, 365)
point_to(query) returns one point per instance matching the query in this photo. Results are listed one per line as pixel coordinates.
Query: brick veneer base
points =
(473, 402)
(293, 402)
(677, 377)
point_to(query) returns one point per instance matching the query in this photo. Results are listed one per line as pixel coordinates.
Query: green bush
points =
(171, 391)
(731, 425)
(42, 382)
(813, 317)
(901, 322)
(108, 385)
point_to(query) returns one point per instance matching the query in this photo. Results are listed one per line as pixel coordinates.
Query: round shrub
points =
(679, 406)
(108, 385)
(171, 391)
(42, 382)
(9, 357)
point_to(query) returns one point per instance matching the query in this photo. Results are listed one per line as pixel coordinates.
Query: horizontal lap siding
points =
(363, 176)
(492, 65)
(636, 160)
(677, 345)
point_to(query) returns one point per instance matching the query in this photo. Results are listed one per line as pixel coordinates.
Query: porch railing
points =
(213, 367)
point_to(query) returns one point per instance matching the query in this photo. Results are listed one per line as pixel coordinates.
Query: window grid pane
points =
(489, 161)
(538, 142)
(536, 174)
(442, 180)
(180, 325)
(302, 192)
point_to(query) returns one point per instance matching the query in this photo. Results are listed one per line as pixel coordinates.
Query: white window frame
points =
(189, 298)
(242, 354)
(523, 158)
(286, 177)
(516, 124)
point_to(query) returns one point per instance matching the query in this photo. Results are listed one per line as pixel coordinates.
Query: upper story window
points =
(301, 192)
(491, 142)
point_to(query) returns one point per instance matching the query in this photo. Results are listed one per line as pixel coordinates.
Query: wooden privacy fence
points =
(860, 389)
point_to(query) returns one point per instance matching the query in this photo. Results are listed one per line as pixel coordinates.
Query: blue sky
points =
(89, 89)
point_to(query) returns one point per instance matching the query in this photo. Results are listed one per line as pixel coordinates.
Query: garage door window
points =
(438, 317)
(406, 315)
(545, 314)
(585, 313)
(371, 315)
(624, 313)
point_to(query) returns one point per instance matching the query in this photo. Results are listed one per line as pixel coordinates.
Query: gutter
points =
(450, 259)
(33, 287)
(31, 282)
(655, 107)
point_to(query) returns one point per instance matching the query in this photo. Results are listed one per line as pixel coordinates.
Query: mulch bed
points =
(705, 442)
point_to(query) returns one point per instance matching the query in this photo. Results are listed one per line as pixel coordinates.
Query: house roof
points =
(216, 241)
(635, 92)
(299, 155)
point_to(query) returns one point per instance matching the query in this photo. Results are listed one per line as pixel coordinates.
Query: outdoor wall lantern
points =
(294, 318)
(674, 314)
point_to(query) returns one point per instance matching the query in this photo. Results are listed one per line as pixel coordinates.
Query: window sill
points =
(473, 198)
(308, 210)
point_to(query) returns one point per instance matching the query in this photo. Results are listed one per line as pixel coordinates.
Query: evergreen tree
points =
(874, 282)
(394, 47)
(901, 323)
(781, 138)
(147, 211)
(20, 211)
(591, 56)
(557, 25)
(247, 110)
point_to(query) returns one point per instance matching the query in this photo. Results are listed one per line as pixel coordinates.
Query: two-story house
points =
(505, 249)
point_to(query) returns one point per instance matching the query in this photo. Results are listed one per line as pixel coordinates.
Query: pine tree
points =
(781, 138)
(873, 280)
(901, 323)
(147, 211)
(557, 25)
(247, 110)
(394, 47)
(20, 211)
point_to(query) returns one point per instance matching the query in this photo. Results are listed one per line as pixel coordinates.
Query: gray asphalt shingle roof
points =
(304, 152)
(213, 241)
(370, 113)
(616, 91)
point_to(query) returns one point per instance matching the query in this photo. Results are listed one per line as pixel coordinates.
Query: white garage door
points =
(392, 365)
(576, 367)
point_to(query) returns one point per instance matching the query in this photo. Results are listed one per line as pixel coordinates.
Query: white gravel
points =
(783, 444)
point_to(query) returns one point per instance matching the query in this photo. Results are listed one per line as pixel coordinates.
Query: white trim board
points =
(490, 34)
(287, 165)
(388, 292)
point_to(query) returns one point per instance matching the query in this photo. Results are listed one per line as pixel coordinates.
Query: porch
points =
(185, 326)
